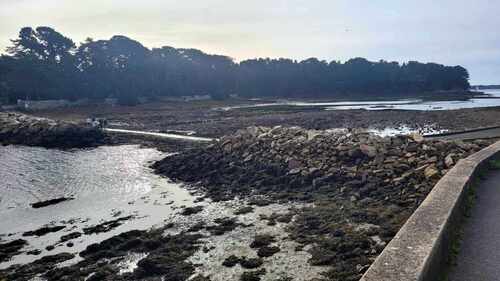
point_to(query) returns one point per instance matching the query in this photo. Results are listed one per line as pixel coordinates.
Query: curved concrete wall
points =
(420, 250)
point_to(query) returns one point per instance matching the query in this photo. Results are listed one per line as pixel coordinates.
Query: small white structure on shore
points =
(187, 98)
(48, 104)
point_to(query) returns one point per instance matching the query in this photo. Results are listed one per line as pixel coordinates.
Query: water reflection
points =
(106, 182)
(33, 174)
(404, 104)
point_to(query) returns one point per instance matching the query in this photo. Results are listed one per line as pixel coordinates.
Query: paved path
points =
(479, 257)
(159, 135)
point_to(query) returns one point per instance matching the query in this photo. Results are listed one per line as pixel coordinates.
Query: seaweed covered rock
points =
(28, 271)
(10, 249)
(364, 187)
(166, 259)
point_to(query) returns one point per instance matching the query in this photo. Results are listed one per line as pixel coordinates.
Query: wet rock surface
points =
(223, 225)
(106, 226)
(27, 271)
(245, 262)
(166, 258)
(252, 275)
(363, 187)
(197, 242)
(191, 210)
(244, 210)
(16, 128)
(267, 251)
(10, 249)
(229, 255)
(44, 230)
(70, 236)
(46, 203)
(186, 248)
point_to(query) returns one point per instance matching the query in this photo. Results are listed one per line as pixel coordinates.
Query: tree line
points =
(42, 63)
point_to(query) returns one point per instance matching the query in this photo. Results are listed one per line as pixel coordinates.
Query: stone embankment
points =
(363, 187)
(16, 128)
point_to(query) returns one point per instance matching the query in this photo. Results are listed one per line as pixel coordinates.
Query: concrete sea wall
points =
(421, 249)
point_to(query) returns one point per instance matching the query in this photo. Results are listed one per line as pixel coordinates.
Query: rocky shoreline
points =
(239, 243)
(166, 256)
(328, 199)
(21, 129)
(363, 187)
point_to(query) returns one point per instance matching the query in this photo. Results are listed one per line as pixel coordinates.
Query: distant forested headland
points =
(486, 87)
(44, 64)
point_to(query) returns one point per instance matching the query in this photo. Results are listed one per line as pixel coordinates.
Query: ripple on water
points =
(114, 182)
(107, 183)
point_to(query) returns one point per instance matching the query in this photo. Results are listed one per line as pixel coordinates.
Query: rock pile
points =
(23, 129)
(297, 164)
(363, 186)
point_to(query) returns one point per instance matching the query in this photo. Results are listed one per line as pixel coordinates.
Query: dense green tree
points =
(44, 64)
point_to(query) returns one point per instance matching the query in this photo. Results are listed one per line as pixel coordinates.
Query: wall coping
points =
(430, 136)
(419, 251)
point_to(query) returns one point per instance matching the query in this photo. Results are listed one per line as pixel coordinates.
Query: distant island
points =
(43, 64)
(485, 87)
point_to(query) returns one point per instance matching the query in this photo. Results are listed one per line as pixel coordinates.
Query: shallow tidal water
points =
(404, 104)
(113, 182)
(107, 183)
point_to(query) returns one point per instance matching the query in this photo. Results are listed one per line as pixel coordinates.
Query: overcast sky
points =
(452, 32)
